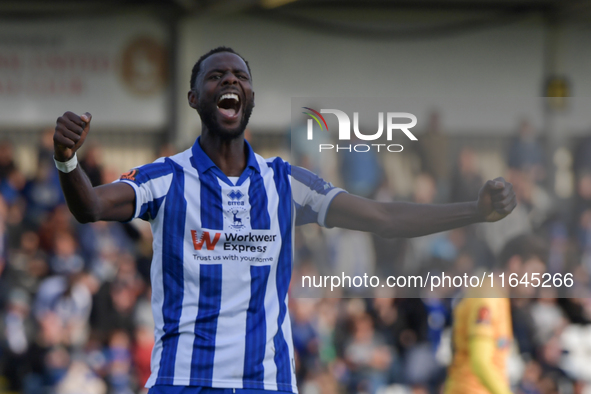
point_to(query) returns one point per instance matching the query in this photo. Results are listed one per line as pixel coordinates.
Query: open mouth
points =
(229, 104)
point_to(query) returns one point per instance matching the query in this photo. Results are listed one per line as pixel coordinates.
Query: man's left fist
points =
(496, 199)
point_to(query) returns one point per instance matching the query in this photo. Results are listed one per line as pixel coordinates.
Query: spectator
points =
(90, 163)
(367, 356)
(466, 180)
(45, 149)
(68, 297)
(43, 193)
(120, 363)
(141, 353)
(305, 337)
(16, 331)
(116, 300)
(525, 152)
(27, 265)
(362, 172)
(433, 149)
(7, 164)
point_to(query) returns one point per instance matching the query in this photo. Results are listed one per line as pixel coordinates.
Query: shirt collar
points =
(203, 163)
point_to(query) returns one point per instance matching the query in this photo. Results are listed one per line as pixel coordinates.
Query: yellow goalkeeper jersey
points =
(488, 318)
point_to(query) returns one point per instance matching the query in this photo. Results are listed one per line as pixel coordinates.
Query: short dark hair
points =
(197, 66)
(525, 246)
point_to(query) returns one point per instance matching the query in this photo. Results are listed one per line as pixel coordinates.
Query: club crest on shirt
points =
(236, 220)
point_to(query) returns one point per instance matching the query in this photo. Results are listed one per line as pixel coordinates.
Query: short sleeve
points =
(312, 196)
(150, 183)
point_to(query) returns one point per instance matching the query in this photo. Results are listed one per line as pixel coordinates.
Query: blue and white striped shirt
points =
(222, 265)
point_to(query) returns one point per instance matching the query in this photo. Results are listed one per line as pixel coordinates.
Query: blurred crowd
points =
(75, 299)
(393, 344)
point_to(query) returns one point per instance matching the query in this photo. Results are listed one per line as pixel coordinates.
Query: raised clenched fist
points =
(70, 132)
(496, 200)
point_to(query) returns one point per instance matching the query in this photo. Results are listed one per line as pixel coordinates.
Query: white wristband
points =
(67, 166)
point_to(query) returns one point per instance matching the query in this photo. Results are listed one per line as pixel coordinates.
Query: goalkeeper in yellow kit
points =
(482, 330)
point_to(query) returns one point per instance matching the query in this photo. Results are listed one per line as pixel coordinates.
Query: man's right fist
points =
(70, 132)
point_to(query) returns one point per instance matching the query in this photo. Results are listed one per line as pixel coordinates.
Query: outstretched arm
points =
(496, 200)
(114, 201)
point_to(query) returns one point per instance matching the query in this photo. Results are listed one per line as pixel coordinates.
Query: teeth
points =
(230, 96)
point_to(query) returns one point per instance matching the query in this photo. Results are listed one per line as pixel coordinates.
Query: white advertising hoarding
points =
(116, 68)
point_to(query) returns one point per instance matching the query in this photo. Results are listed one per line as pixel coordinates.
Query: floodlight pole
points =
(555, 107)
